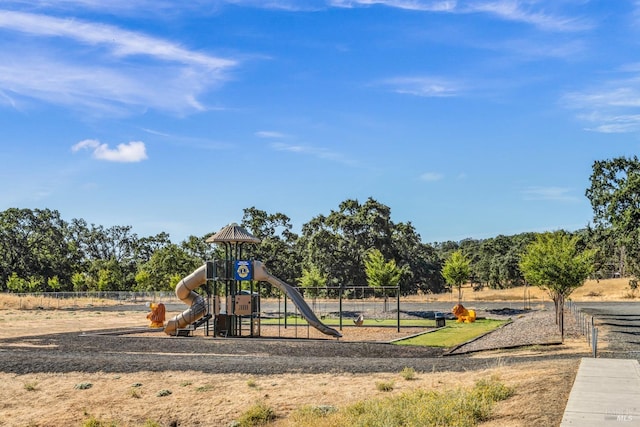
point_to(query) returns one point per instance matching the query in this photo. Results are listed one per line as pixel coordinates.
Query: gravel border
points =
(526, 328)
(69, 352)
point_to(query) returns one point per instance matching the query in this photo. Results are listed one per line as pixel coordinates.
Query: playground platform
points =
(606, 392)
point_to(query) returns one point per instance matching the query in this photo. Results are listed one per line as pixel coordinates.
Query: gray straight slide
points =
(260, 273)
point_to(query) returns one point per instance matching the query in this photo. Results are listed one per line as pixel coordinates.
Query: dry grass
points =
(134, 399)
(42, 302)
(592, 290)
(225, 397)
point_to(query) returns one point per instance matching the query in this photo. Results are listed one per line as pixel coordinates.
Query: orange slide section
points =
(197, 304)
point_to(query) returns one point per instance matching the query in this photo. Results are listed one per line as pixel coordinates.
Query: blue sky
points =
(468, 118)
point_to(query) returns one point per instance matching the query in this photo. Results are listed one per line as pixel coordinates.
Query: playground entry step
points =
(606, 392)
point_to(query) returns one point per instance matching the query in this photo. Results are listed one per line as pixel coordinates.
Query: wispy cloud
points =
(524, 11)
(623, 123)
(121, 42)
(132, 152)
(106, 74)
(422, 86)
(539, 13)
(287, 5)
(189, 141)
(318, 152)
(269, 134)
(561, 194)
(418, 5)
(613, 107)
(431, 176)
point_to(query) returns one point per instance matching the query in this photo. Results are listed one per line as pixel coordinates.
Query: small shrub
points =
(203, 388)
(133, 392)
(492, 390)
(309, 413)
(384, 385)
(163, 393)
(83, 386)
(408, 373)
(94, 422)
(257, 415)
(136, 385)
(185, 383)
(31, 386)
(252, 383)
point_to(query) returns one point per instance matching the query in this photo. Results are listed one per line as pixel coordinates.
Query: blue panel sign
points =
(243, 270)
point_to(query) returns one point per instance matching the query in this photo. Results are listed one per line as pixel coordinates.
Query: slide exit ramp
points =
(260, 273)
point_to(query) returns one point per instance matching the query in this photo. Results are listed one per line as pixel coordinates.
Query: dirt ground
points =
(48, 358)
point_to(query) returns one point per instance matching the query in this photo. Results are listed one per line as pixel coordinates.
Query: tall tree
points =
(615, 198)
(381, 272)
(456, 271)
(165, 264)
(554, 263)
(277, 249)
(337, 243)
(312, 280)
(420, 262)
(33, 245)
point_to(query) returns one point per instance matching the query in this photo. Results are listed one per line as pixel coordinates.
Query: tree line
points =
(40, 251)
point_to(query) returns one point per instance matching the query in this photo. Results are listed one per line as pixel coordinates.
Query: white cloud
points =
(523, 11)
(418, 5)
(431, 176)
(548, 193)
(422, 86)
(318, 152)
(613, 107)
(102, 68)
(624, 123)
(539, 13)
(121, 42)
(269, 134)
(134, 151)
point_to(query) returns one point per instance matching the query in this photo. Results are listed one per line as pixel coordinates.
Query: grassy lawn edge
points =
(454, 334)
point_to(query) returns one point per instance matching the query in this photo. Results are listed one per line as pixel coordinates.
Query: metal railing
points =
(586, 325)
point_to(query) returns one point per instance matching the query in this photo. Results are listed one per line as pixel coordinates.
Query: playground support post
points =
(398, 310)
(340, 303)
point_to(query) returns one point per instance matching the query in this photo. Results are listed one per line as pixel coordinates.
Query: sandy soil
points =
(47, 354)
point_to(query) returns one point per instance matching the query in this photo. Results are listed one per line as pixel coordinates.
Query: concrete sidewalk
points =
(606, 392)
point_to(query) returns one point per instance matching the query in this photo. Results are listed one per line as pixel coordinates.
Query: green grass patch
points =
(454, 333)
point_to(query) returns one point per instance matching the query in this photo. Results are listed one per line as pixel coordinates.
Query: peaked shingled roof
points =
(233, 233)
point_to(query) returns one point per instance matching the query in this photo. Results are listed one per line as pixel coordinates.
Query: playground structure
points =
(463, 315)
(227, 317)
